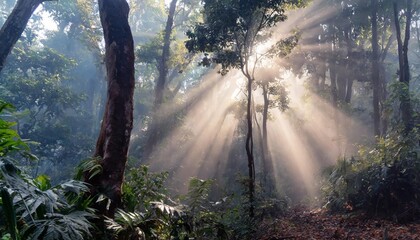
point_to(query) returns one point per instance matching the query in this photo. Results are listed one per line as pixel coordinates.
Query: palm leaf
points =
(72, 226)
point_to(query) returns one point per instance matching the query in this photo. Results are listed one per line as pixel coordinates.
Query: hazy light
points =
(206, 135)
(47, 21)
(310, 135)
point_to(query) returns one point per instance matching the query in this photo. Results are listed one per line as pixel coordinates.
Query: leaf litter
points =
(301, 223)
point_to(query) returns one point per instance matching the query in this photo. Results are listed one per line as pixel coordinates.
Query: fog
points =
(55, 77)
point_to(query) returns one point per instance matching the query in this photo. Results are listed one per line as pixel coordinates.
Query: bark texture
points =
(14, 26)
(114, 137)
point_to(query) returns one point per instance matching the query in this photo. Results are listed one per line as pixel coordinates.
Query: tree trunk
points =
(268, 168)
(333, 78)
(163, 64)
(375, 70)
(383, 95)
(249, 147)
(15, 25)
(114, 137)
(349, 62)
(404, 69)
(349, 88)
(323, 74)
(155, 131)
(341, 83)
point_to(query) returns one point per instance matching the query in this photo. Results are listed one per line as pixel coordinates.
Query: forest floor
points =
(303, 224)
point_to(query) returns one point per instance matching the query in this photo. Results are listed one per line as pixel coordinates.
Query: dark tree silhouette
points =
(404, 68)
(155, 133)
(114, 136)
(15, 25)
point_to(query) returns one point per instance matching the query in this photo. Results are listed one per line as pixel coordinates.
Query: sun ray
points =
(310, 135)
(210, 128)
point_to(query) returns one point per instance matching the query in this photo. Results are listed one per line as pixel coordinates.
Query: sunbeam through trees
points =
(213, 119)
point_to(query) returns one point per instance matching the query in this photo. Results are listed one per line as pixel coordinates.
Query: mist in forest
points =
(309, 136)
(303, 139)
(209, 119)
(202, 122)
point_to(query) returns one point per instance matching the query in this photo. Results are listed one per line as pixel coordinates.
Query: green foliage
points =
(69, 226)
(235, 209)
(280, 97)
(232, 29)
(126, 225)
(400, 92)
(277, 94)
(285, 46)
(198, 192)
(156, 216)
(6, 236)
(206, 218)
(45, 212)
(141, 188)
(197, 217)
(77, 21)
(382, 180)
(148, 216)
(37, 81)
(10, 140)
(144, 16)
(91, 166)
(32, 207)
(150, 52)
(160, 222)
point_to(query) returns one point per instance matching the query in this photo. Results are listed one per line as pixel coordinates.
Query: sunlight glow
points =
(302, 140)
(206, 135)
(309, 136)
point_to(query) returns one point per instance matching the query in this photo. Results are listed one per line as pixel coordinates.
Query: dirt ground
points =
(303, 224)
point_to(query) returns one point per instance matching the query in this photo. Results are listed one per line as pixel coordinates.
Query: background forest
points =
(241, 111)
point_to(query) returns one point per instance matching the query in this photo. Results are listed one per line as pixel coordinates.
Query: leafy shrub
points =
(206, 218)
(44, 212)
(10, 141)
(30, 207)
(142, 187)
(382, 181)
(235, 209)
(153, 215)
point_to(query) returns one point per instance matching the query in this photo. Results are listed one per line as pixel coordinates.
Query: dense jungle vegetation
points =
(209, 119)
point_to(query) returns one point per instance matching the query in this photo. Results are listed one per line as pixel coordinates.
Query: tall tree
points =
(274, 96)
(114, 137)
(404, 68)
(375, 68)
(15, 25)
(379, 22)
(343, 32)
(231, 32)
(163, 63)
(384, 24)
(155, 131)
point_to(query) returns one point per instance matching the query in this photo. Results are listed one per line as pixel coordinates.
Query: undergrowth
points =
(382, 180)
